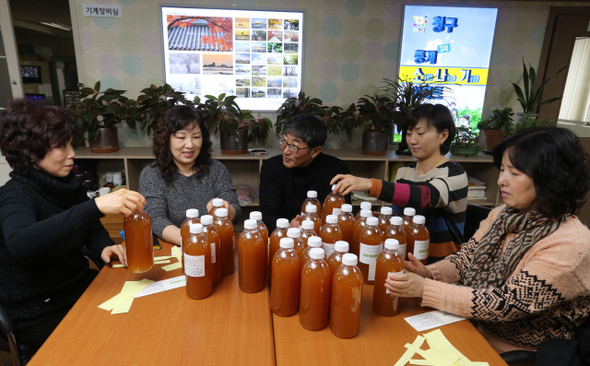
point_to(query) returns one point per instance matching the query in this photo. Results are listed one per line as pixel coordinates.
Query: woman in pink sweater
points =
(524, 276)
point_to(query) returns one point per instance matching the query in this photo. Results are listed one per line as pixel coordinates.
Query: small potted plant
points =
(465, 142)
(497, 126)
(98, 113)
(305, 104)
(376, 116)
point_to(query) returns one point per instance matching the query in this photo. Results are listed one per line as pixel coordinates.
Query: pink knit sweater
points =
(547, 296)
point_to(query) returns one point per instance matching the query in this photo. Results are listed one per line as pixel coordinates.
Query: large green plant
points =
(529, 96)
(97, 109)
(304, 104)
(500, 119)
(376, 113)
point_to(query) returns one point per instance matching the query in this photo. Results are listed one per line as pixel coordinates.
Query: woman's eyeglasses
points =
(294, 149)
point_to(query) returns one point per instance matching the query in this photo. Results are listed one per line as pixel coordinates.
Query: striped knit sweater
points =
(547, 295)
(440, 195)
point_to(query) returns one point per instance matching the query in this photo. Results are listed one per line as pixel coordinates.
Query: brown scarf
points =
(491, 267)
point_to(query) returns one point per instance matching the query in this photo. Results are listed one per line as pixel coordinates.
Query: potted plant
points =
(531, 120)
(465, 142)
(529, 96)
(236, 127)
(496, 126)
(97, 114)
(376, 116)
(305, 104)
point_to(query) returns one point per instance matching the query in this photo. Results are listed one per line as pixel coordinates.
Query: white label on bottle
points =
(387, 290)
(328, 248)
(194, 265)
(403, 248)
(421, 249)
(368, 255)
(213, 256)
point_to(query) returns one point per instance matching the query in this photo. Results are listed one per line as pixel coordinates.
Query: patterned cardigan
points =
(547, 295)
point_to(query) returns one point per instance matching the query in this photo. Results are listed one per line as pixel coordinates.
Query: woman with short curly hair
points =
(184, 175)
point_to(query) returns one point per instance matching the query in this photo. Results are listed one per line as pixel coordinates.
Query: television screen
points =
(449, 48)
(253, 54)
(31, 74)
(35, 97)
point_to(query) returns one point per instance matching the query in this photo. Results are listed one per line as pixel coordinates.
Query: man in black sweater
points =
(286, 178)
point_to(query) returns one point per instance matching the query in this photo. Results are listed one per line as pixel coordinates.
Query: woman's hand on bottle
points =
(296, 222)
(415, 266)
(122, 201)
(348, 183)
(114, 251)
(231, 211)
(407, 284)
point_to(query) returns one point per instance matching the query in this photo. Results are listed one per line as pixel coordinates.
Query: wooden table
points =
(229, 327)
(380, 340)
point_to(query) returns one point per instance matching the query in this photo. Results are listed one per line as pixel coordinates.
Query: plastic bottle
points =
(384, 217)
(212, 234)
(216, 204)
(192, 217)
(408, 218)
(421, 238)
(371, 244)
(197, 264)
(332, 200)
(346, 222)
(347, 291)
(396, 231)
(316, 279)
(251, 264)
(139, 242)
(226, 235)
(335, 260)
(330, 234)
(275, 239)
(295, 234)
(365, 205)
(337, 211)
(263, 229)
(389, 261)
(307, 230)
(358, 227)
(312, 199)
(313, 242)
(286, 279)
(311, 214)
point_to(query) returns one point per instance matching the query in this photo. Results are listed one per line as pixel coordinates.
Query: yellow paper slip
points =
(121, 303)
(175, 253)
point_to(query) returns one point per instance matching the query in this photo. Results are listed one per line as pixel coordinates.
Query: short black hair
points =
(437, 116)
(555, 160)
(307, 127)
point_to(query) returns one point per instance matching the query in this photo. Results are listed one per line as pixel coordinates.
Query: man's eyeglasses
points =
(294, 149)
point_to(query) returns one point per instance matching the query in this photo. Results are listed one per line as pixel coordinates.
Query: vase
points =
(374, 143)
(492, 138)
(234, 142)
(464, 150)
(107, 141)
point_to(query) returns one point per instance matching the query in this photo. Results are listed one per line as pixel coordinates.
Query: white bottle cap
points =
(294, 232)
(207, 220)
(396, 220)
(332, 219)
(419, 220)
(333, 187)
(391, 244)
(366, 205)
(222, 212)
(372, 221)
(336, 211)
(282, 223)
(347, 207)
(386, 210)
(250, 224)
(256, 215)
(286, 243)
(312, 194)
(307, 224)
(311, 209)
(366, 213)
(192, 213)
(217, 202)
(350, 259)
(316, 253)
(341, 246)
(409, 211)
(314, 242)
(196, 228)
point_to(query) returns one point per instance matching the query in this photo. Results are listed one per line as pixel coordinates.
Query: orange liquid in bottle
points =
(365, 205)
(274, 241)
(192, 217)
(311, 200)
(331, 202)
(421, 239)
(286, 278)
(396, 231)
(347, 290)
(214, 238)
(311, 215)
(346, 222)
(315, 242)
(307, 230)
(251, 262)
(389, 261)
(358, 227)
(226, 235)
(139, 242)
(257, 216)
(197, 264)
(314, 305)
(386, 213)
(335, 260)
(371, 244)
(330, 234)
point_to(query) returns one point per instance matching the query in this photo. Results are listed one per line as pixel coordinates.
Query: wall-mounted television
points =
(256, 55)
(31, 74)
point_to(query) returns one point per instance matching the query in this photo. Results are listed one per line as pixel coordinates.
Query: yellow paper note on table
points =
(121, 303)
(175, 253)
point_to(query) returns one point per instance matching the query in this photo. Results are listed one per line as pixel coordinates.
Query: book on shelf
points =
(476, 189)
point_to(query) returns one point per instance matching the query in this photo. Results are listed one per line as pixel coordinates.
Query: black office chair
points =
(475, 214)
